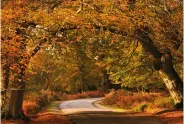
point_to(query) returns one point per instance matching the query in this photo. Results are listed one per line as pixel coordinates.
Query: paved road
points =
(84, 111)
(82, 106)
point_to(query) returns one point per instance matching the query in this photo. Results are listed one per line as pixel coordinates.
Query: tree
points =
(15, 54)
(114, 25)
(141, 22)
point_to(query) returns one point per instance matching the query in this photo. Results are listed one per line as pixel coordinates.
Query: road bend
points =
(88, 111)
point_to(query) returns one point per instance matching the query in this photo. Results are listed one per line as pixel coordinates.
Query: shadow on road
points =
(113, 118)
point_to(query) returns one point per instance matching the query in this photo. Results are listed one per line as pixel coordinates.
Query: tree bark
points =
(15, 104)
(6, 75)
(105, 80)
(4, 88)
(47, 82)
(163, 63)
(171, 79)
(16, 94)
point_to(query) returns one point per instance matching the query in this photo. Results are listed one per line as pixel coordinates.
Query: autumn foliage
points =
(64, 47)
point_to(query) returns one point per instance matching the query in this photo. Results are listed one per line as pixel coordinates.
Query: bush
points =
(51, 95)
(163, 102)
(30, 107)
(150, 102)
(34, 102)
(89, 94)
(42, 100)
(141, 107)
(93, 94)
(126, 100)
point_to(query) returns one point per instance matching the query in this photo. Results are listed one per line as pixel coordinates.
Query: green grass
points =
(53, 106)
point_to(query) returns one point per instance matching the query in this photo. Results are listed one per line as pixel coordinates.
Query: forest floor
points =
(52, 115)
(171, 116)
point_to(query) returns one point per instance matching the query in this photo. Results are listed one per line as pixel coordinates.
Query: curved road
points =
(84, 111)
(82, 106)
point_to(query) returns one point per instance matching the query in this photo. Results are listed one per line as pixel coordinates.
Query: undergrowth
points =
(139, 102)
(88, 94)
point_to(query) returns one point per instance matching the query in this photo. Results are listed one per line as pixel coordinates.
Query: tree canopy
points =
(71, 42)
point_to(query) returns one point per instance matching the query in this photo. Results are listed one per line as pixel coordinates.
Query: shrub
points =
(42, 100)
(35, 101)
(93, 94)
(32, 96)
(163, 102)
(89, 94)
(141, 107)
(51, 95)
(127, 100)
(30, 107)
(149, 102)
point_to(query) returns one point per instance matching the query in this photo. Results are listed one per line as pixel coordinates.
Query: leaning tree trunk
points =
(163, 63)
(171, 79)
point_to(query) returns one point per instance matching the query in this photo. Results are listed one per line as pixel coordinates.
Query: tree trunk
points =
(16, 95)
(4, 87)
(163, 63)
(106, 80)
(15, 104)
(171, 79)
(47, 81)
(6, 75)
(173, 87)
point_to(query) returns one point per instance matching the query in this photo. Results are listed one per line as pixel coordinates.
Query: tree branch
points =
(37, 48)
